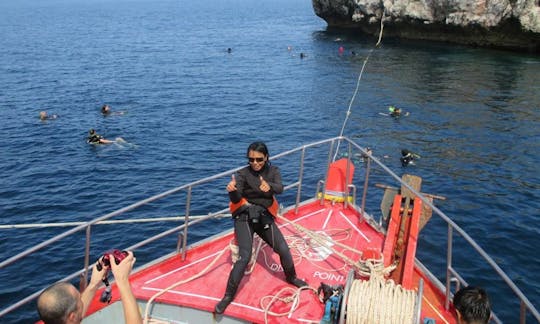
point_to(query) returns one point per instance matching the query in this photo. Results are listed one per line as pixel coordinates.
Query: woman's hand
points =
(232, 184)
(265, 187)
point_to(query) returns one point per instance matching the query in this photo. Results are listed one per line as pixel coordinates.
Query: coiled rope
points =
(375, 300)
(378, 300)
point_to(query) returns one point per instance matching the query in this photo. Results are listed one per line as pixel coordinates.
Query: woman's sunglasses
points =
(259, 160)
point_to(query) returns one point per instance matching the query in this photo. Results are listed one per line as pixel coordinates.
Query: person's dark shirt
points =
(248, 182)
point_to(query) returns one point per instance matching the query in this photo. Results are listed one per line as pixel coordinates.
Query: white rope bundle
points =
(379, 301)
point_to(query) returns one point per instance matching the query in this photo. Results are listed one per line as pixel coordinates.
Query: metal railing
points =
(183, 230)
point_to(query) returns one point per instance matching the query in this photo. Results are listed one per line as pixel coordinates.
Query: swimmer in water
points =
(106, 111)
(94, 138)
(408, 157)
(44, 116)
(396, 112)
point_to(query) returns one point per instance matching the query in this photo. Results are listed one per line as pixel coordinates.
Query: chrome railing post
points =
(366, 183)
(300, 180)
(448, 267)
(84, 276)
(186, 223)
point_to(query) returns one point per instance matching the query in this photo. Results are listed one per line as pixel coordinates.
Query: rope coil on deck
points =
(378, 300)
(375, 300)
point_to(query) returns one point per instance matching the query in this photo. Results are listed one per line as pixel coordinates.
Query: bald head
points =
(60, 304)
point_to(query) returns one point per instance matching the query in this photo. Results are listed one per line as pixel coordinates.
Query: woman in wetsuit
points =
(251, 193)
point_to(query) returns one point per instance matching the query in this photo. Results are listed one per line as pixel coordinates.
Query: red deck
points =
(313, 262)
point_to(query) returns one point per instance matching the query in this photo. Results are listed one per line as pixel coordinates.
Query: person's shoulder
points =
(243, 171)
(273, 167)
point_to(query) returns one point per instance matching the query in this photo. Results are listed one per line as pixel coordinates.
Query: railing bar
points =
(109, 222)
(525, 303)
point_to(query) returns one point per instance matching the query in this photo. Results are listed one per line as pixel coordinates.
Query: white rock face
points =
(513, 24)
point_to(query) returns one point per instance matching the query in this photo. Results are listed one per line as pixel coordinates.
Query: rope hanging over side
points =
(358, 82)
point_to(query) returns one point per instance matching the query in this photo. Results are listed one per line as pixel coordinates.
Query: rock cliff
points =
(508, 24)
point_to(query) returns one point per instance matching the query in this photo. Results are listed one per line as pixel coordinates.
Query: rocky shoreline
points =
(503, 24)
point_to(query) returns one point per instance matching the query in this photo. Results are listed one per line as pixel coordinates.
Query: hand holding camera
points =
(120, 263)
(115, 255)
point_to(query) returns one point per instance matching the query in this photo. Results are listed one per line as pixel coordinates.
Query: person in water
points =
(408, 157)
(94, 138)
(396, 112)
(253, 207)
(472, 306)
(106, 111)
(44, 116)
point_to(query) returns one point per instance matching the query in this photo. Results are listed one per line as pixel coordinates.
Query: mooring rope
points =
(349, 110)
(378, 300)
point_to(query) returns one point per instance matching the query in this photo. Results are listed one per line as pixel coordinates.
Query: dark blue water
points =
(192, 108)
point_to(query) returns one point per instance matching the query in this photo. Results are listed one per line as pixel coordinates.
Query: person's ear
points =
(72, 317)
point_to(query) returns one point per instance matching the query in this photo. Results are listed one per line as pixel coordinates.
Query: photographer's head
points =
(472, 305)
(60, 303)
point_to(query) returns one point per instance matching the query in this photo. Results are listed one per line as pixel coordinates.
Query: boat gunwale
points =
(451, 274)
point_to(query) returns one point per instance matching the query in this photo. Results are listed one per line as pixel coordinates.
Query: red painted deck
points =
(314, 263)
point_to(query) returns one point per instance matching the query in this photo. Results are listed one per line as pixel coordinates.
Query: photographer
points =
(63, 303)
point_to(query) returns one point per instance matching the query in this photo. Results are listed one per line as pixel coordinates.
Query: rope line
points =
(380, 301)
(349, 110)
(159, 293)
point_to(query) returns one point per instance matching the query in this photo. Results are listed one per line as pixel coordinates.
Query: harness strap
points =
(273, 209)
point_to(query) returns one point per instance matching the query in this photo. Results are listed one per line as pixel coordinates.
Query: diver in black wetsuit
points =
(252, 200)
(408, 157)
(94, 138)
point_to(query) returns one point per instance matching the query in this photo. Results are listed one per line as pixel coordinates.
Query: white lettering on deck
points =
(328, 276)
(276, 267)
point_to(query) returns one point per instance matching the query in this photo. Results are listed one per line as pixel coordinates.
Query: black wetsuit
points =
(247, 184)
(94, 139)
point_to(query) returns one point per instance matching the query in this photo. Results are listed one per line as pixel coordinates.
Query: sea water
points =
(192, 107)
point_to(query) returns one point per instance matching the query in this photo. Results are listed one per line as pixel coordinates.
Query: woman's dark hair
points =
(258, 147)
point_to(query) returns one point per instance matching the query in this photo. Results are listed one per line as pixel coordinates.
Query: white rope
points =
(161, 292)
(358, 82)
(380, 301)
(293, 299)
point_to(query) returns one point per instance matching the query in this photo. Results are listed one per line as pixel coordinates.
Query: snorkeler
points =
(396, 112)
(106, 111)
(408, 157)
(94, 138)
(44, 116)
